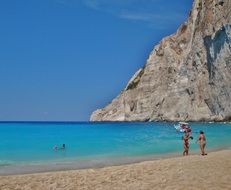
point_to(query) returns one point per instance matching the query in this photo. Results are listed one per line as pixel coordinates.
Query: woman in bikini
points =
(186, 143)
(202, 141)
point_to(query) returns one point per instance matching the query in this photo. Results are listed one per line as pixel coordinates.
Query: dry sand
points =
(193, 172)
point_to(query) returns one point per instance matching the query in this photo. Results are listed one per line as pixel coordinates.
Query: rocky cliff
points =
(187, 75)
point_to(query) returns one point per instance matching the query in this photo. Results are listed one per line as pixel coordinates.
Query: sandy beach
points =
(193, 172)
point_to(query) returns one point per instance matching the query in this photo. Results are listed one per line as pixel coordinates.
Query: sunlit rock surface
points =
(187, 75)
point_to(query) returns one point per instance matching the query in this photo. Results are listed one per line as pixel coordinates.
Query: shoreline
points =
(189, 172)
(49, 167)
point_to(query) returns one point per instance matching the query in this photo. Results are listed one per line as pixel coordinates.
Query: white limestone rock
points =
(186, 77)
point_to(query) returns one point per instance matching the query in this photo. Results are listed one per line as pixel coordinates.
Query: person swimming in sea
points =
(55, 147)
(61, 148)
(202, 141)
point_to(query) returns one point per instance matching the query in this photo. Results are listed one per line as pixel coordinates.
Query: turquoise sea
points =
(24, 144)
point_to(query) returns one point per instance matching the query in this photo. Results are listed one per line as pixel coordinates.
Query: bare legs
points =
(202, 147)
(186, 149)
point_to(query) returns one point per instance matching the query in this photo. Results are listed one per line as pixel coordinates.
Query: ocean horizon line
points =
(79, 122)
(103, 122)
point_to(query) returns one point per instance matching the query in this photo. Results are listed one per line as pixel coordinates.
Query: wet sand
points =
(193, 172)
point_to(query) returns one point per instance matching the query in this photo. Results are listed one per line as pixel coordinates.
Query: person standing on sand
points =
(185, 139)
(202, 141)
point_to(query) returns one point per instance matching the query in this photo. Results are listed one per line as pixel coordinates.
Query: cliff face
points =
(186, 77)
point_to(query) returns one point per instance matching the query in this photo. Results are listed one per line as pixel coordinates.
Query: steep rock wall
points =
(186, 77)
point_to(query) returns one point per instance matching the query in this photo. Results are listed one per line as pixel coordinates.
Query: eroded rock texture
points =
(186, 77)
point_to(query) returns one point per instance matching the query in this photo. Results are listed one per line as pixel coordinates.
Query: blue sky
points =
(62, 59)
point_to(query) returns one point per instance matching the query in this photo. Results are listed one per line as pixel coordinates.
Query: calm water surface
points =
(27, 143)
